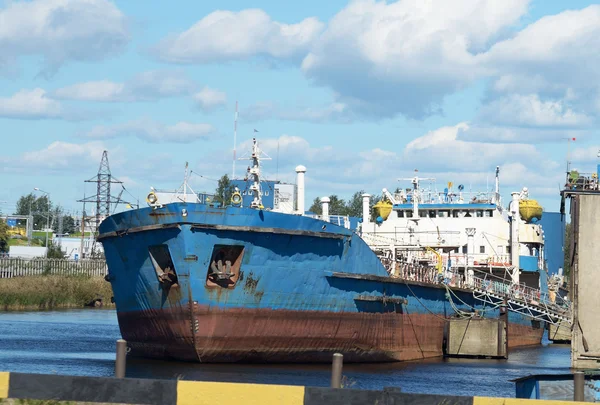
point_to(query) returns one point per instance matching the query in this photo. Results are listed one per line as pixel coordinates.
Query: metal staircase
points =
(525, 300)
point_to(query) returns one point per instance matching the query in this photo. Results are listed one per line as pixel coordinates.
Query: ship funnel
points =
(300, 170)
(325, 206)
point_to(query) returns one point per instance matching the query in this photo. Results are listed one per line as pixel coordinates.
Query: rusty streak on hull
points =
(283, 336)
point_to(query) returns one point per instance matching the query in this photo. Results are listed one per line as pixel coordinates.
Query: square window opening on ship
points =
(224, 266)
(163, 265)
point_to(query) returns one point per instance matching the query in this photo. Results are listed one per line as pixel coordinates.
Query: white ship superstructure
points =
(457, 231)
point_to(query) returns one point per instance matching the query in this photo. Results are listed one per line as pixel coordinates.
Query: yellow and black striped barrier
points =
(177, 392)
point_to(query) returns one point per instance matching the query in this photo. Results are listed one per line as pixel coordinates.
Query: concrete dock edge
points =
(177, 392)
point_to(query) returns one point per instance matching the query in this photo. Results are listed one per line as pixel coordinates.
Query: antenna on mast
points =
(234, 138)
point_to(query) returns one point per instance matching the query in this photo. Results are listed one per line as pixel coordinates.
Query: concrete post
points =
(336, 370)
(579, 384)
(325, 208)
(121, 358)
(300, 170)
(515, 247)
(366, 205)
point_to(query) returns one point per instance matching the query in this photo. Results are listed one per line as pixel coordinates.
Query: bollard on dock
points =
(336, 370)
(120, 362)
(578, 386)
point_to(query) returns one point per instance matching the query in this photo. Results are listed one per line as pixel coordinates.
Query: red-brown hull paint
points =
(214, 335)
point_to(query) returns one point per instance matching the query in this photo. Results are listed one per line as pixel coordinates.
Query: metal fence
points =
(16, 267)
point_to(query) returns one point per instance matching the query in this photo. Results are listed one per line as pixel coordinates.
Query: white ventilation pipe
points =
(515, 247)
(470, 244)
(325, 208)
(300, 170)
(366, 208)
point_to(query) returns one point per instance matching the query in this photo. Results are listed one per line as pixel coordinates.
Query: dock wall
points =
(585, 278)
(476, 338)
(176, 392)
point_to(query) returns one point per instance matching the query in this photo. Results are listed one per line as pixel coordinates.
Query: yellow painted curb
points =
(519, 401)
(4, 379)
(209, 393)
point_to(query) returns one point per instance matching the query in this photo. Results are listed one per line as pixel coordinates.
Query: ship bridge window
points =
(400, 214)
(468, 214)
(444, 214)
(508, 249)
(409, 214)
(224, 266)
(432, 214)
(464, 249)
(423, 214)
(479, 213)
(481, 249)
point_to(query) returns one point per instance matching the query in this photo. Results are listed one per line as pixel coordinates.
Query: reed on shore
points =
(52, 292)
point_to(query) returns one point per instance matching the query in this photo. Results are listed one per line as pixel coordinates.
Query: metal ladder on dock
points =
(522, 299)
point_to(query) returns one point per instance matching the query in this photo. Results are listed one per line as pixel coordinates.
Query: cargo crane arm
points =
(439, 265)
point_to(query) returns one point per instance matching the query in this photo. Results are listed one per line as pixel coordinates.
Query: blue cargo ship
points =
(199, 282)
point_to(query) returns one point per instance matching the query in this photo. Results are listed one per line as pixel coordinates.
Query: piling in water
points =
(579, 383)
(120, 362)
(336, 370)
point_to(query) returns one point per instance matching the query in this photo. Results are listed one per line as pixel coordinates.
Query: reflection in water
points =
(82, 342)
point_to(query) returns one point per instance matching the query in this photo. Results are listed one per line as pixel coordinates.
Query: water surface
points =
(82, 342)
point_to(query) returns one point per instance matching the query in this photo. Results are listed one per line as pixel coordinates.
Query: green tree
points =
(69, 224)
(39, 207)
(4, 236)
(337, 206)
(354, 205)
(224, 190)
(316, 206)
(55, 252)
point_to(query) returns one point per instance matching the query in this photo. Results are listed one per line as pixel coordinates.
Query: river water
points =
(82, 342)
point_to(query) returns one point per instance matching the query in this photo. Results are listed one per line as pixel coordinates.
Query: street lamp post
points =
(47, 218)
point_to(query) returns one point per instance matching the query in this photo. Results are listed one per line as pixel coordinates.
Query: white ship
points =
(458, 232)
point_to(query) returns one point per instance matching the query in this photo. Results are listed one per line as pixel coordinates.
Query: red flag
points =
(573, 138)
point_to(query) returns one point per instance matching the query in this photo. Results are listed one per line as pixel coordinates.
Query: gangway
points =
(522, 299)
(494, 290)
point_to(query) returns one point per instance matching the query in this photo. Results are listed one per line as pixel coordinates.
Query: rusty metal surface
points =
(278, 336)
(521, 335)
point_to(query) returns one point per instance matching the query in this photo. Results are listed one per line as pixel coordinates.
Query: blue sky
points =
(360, 92)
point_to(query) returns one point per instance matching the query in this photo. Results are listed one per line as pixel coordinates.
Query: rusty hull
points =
(215, 335)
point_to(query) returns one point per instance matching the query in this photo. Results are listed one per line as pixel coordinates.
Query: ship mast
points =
(416, 194)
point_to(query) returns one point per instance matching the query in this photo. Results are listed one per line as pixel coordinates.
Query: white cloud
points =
(208, 99)
(590, 154)
(442, 149)
(502, 134)
(554, 56)
(226, 35)
(61, 31)
(270, 110)
(102, 90)
(145, 86)
(406, 56)
(63, 155)
(529, 110)
(30, 104)
(151, 131)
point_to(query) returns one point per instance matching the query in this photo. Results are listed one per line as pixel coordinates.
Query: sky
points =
(362, 93)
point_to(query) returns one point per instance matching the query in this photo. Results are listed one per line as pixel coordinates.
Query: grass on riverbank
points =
(50, 292)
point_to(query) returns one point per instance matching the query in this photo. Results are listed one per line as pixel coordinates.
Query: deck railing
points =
(17, 267)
